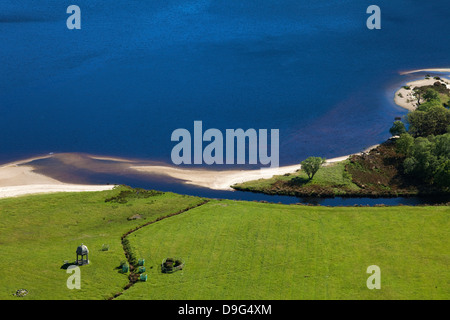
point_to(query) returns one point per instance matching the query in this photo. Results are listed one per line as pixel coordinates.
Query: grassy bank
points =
(378, 173)
(330, 181)
(231, 249)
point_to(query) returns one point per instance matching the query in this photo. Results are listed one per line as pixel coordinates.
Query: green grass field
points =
(332, 174)
(232, 250)
(333, 178)
(37, 233)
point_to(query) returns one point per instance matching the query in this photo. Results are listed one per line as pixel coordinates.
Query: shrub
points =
(397, 128)
(136, 193)
(170, 265)
(142, 269)
(129, 252)
(143, 277)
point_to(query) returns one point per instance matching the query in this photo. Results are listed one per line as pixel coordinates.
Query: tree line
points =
(425, 140)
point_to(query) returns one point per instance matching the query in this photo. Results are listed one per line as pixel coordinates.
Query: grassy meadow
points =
(231, 249)
(38, 233)
(238, 250)
(332, 179)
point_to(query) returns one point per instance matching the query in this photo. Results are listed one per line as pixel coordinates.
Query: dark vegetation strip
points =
(129, 252)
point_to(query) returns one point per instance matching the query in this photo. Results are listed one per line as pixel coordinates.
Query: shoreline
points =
(17, 178)
(403, 97)
(223, 180)
(31, 189)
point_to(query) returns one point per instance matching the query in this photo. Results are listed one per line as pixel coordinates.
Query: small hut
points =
(83, 252)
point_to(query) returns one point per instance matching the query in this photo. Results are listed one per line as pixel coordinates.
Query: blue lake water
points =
(137, 70)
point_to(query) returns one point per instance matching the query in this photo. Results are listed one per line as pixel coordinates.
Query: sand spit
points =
(223, 180)
(17, 179)
(20, 178)
(15, 191)
(404, 96)
(443, 70)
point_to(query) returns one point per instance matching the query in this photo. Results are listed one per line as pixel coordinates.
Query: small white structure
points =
(82, 251)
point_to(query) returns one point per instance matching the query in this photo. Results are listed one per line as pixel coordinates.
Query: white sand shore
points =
(222, 180)
(14, 191)
(404, 97)
(426, 70)
(18, 180)
(15, 175)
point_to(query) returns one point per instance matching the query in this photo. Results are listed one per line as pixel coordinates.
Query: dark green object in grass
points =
(143, 277)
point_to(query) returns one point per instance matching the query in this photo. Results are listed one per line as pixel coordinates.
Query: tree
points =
(398, 128)
(442, 146)
(416, 120)
(426, 106)
(422, 162)
(417, 93)
(427, 159)
(442, 177)
(431, 94)
(311, 165)
(432, 122)
(404, 143)
(427, 94)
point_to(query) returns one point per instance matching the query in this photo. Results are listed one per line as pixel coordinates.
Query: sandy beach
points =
(426, 70)
(15, 191)
(17, 179)
(404, 97)
(223, 180)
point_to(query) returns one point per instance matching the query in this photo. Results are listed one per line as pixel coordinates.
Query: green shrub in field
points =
(133, 193)
(142, 269)
(130, 252)
(170, 265)
(143, 277)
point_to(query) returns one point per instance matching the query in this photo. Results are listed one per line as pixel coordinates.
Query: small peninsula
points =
(415, 161)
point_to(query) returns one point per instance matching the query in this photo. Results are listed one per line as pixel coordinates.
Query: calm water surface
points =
(137, 70)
